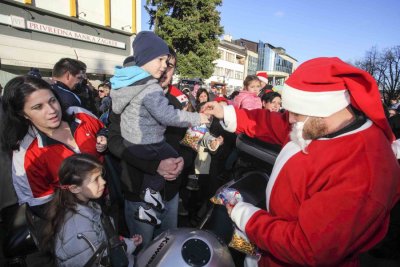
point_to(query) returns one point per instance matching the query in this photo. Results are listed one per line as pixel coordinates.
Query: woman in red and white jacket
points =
(41, 135)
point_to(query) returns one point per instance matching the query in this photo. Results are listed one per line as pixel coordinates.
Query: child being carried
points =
(145, 114)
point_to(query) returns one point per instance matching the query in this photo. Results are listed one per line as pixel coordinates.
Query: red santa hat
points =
(263, 76)
(221, 99)
(321, 87)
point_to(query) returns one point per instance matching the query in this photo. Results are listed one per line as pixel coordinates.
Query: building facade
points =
(38, 33)
(274, 60)
(230, 67)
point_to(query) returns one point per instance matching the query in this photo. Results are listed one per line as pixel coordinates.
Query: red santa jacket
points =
(325, 207)
(36, 163)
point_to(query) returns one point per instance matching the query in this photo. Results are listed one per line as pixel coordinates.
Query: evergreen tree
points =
(192, 28)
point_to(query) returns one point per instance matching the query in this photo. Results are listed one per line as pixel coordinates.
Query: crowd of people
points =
(138, 144)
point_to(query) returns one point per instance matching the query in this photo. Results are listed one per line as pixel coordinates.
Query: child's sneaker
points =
(193, 183)
(153, 198)
(147, 215)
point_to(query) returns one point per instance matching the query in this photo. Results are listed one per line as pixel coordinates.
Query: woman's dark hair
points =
(73, 171)
(233, 95)
(268, 97)
(199, 92)
(14, 125)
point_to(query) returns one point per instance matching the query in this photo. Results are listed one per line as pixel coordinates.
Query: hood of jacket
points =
(125, 76)
(126, 84)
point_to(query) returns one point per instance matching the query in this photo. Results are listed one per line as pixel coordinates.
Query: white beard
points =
(296, 135)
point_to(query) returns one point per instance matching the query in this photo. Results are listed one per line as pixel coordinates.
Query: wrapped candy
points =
(230, 196)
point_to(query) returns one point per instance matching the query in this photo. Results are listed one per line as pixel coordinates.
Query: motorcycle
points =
(199, 247)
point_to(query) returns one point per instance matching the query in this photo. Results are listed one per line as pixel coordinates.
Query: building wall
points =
(229, 69)
(252, 62)
(40, 34)
(56, 6)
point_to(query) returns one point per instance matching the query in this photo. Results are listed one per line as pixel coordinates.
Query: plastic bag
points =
(239, 241)
(193, 136)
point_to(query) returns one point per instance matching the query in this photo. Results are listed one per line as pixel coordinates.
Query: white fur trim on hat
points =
(316, 104)
(263, 79)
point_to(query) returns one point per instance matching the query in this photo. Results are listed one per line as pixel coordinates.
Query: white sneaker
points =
(147, 215)
(153, 198)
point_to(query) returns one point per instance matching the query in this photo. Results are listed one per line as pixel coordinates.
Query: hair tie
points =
(62, 186)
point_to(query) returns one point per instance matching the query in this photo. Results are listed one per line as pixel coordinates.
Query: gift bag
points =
(240, 242)
(193, 136)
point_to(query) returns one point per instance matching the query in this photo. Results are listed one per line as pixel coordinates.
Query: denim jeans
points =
(169, 220)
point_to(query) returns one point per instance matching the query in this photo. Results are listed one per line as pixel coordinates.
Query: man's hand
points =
(170, 168)
(204, 119)
(213, 108)
(229, 209)
(101, 143)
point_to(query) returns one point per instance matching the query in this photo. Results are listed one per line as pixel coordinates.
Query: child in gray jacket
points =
(145, 114)
(74, 228)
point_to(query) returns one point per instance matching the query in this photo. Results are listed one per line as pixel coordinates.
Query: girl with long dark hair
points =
(74, 228)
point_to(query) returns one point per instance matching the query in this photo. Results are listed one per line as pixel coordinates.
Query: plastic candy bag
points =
(239, 241)
(193, 136)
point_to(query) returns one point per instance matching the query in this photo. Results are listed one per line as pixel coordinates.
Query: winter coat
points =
(72, 250)
(247, 100)
(145, 112)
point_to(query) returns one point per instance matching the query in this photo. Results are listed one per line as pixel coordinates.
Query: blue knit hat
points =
(147, 46)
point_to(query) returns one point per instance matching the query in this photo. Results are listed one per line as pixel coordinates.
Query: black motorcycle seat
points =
(263, 151)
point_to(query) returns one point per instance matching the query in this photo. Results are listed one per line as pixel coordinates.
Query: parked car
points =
(187, 85)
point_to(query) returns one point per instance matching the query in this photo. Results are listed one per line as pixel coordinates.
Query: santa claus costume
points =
(327, 205)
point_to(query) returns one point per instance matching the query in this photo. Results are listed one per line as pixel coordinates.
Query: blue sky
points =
(313, 28)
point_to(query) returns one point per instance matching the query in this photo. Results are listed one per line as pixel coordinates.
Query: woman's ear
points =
(22, 113)
(75, 189)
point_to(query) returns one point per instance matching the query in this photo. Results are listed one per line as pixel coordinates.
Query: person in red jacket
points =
(336, 179)
(41, 135)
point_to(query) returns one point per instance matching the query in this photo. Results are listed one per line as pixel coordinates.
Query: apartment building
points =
(230, 66)
(274, 60)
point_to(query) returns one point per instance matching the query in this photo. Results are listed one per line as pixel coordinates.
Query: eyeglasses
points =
(101, 91)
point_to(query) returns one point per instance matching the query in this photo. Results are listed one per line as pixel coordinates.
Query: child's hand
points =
(137, 239)
(220, 140)
(101, 143)
(214, 144)
(204, 119)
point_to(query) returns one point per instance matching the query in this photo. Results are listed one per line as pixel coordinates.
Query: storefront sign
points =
(34, 26)
(17, 22)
